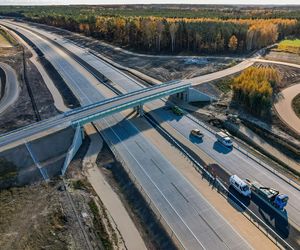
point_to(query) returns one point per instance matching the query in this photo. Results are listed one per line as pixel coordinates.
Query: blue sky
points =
(46, 2)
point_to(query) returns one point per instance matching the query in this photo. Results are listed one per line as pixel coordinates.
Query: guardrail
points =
(118, 97)
(261, 225)
(160, 218)
(251, 156)
(30, 126)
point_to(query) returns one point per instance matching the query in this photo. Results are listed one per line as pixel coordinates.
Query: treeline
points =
(123, 26)
(160, 10)
(178, 35)
(253, 89)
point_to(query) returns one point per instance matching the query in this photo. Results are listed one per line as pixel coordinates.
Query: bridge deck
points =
(89, 113)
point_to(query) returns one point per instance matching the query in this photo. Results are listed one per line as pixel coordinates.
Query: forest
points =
(253, 89)
(171, 29)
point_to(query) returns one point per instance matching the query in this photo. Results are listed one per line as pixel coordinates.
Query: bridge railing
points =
(129, 104)
(119, 97)
(36, 124)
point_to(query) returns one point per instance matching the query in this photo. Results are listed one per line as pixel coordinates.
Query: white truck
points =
(224, 139)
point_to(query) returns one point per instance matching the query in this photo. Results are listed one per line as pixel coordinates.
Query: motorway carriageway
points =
(184, 214)
(234, 161)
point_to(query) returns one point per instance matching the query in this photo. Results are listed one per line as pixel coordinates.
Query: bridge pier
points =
(139, 109)
(77, 141)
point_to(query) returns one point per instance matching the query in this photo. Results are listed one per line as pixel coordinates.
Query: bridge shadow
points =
(130, 125)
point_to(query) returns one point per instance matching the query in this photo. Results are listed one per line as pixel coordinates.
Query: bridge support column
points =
(140, 110)
(77, 141)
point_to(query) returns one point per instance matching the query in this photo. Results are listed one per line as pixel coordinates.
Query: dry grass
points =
(4, 42)
(292, 46)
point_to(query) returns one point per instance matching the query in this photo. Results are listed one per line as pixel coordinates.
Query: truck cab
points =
(281, 201)
(270, 195)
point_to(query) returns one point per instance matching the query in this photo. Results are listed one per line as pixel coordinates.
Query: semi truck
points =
(269, 195)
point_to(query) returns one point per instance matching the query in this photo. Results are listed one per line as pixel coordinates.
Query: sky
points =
(56, 2)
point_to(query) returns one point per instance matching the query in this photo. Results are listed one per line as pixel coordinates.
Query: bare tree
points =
(173, 29)
(159, 30)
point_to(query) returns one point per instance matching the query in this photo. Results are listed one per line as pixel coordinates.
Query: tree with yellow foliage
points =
(253, 88)
(233, 43)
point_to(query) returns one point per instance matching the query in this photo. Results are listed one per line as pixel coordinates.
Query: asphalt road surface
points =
(193, 220)
(233, 161)
(12, 88)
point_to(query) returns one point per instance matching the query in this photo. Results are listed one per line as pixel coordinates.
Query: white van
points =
(224, 139)
(239, 185)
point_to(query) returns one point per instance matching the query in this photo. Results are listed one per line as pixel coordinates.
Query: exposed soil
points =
(61, 214)
(282, 56)
(40, 216)
(272, 129)
(22, 111)
(161, 68)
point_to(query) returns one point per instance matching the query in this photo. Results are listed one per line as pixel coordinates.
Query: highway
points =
(194, 221)
(12, 88)
(234, 161)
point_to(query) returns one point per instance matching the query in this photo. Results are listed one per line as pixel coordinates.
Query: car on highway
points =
(224, 139)
(177, 111)
(197, 133)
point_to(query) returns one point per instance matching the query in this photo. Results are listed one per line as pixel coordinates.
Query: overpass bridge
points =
(83, 115)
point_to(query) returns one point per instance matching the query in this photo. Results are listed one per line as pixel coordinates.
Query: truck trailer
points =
(269, 195)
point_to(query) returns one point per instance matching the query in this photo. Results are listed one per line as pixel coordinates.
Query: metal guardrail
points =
(160, 218)
(118, 97)
(30, 126)
(262, 226)
(251, 156)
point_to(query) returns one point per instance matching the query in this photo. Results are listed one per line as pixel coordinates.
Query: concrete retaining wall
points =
(195, 95)
(49, 151)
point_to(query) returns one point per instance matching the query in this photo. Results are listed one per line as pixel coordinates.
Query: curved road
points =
(12, 89)
(284, 104)
(284, 107)
(196, 224)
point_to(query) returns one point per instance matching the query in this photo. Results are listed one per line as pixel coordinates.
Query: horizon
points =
(150, 2)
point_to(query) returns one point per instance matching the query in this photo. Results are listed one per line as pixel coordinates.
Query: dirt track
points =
(284, 107)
